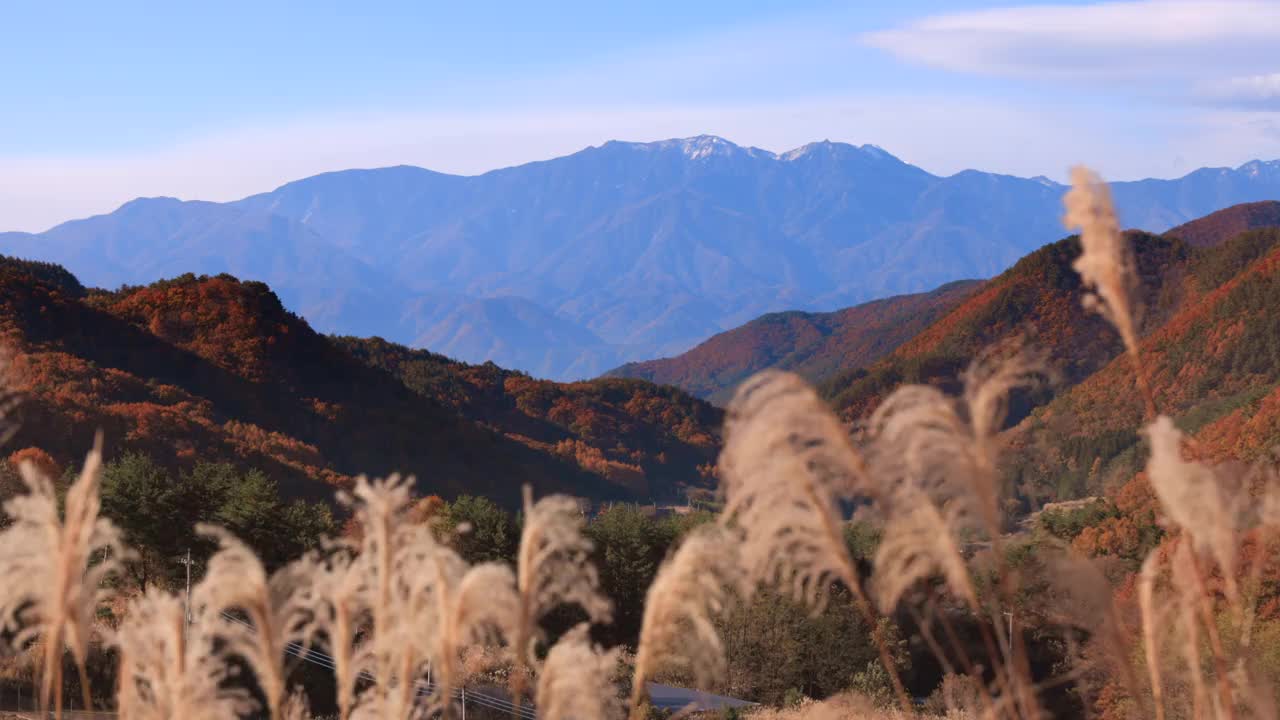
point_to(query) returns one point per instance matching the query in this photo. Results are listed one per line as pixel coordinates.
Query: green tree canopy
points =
(158, 512)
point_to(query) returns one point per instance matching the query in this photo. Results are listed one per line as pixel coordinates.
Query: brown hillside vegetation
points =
(213, 368)
(1212, 229)
(813, 345)
(1209, 333)
(1214, 366)
(1038, 297)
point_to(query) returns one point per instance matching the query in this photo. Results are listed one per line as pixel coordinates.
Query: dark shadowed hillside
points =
(209, 368)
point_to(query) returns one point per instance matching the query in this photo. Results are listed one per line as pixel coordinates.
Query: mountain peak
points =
(1255, 168)
(877, 152)
(144, 202)
(697, 147)
(702, 146)
(827, 147)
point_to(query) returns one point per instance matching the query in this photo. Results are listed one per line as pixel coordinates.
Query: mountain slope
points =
(650, 247)
(1210, 344)
(1214, 366)
(214, 368)
(815, 345)
(1039, 299)
(1211, 229)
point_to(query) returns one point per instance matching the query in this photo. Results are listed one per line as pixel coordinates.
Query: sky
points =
(104, 102)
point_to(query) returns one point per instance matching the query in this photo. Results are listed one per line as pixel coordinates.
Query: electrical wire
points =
(317, 657)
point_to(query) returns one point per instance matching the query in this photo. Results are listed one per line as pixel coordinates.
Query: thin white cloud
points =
(1261, 91)
(1164, 39)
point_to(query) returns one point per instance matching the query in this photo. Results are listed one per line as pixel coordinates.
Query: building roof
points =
(667, 697)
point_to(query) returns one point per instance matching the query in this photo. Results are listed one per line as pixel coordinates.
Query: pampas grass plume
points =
(53, 569)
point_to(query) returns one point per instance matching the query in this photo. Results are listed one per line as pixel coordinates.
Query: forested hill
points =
(213, 368)
(815, 345)
(1210, 338)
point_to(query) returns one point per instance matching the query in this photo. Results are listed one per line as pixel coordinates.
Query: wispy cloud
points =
(1257, 91)
(1147, 40)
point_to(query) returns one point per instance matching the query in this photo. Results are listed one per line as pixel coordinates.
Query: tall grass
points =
(52, 570)
(394, 603)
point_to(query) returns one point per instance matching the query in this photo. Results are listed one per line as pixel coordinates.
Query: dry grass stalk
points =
(917, 545)
(342, 588)
(1106, 264)
(166, 668)
(281, 609)
(1194, 499)
(924, 441)
(1151, 621)
(296, 706)
(678, 630)
(576, 680)
(933, 461)
(53, 569)
(553, 568)
(380, 508)
(440, 607)
(10, 399)
(787, 464)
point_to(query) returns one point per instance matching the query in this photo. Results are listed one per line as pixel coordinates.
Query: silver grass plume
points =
(553, 568)
(53, 569)
(296, 706)
(1106, 263)
(576, 680)
(1194, 499)
(691, 588)
(440, 607)
(342, 586)
(917, 545)
(786, 465)
(934, 463)
(379, 508)
(166, 670)
(280, 609)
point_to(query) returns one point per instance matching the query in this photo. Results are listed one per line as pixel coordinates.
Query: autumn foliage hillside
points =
(1214, 366)
(212, 368)
(815, 345)
(1038, 298)
(1212, 229)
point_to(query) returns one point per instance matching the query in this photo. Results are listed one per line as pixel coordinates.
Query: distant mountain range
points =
(628, 251)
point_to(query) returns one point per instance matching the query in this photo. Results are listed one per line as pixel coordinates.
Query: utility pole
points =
(187, 604)
(1009, 641)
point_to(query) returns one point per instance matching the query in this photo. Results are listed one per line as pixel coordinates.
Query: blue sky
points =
(102, 102)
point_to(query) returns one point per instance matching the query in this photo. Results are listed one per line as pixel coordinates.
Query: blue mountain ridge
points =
(568, 267)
